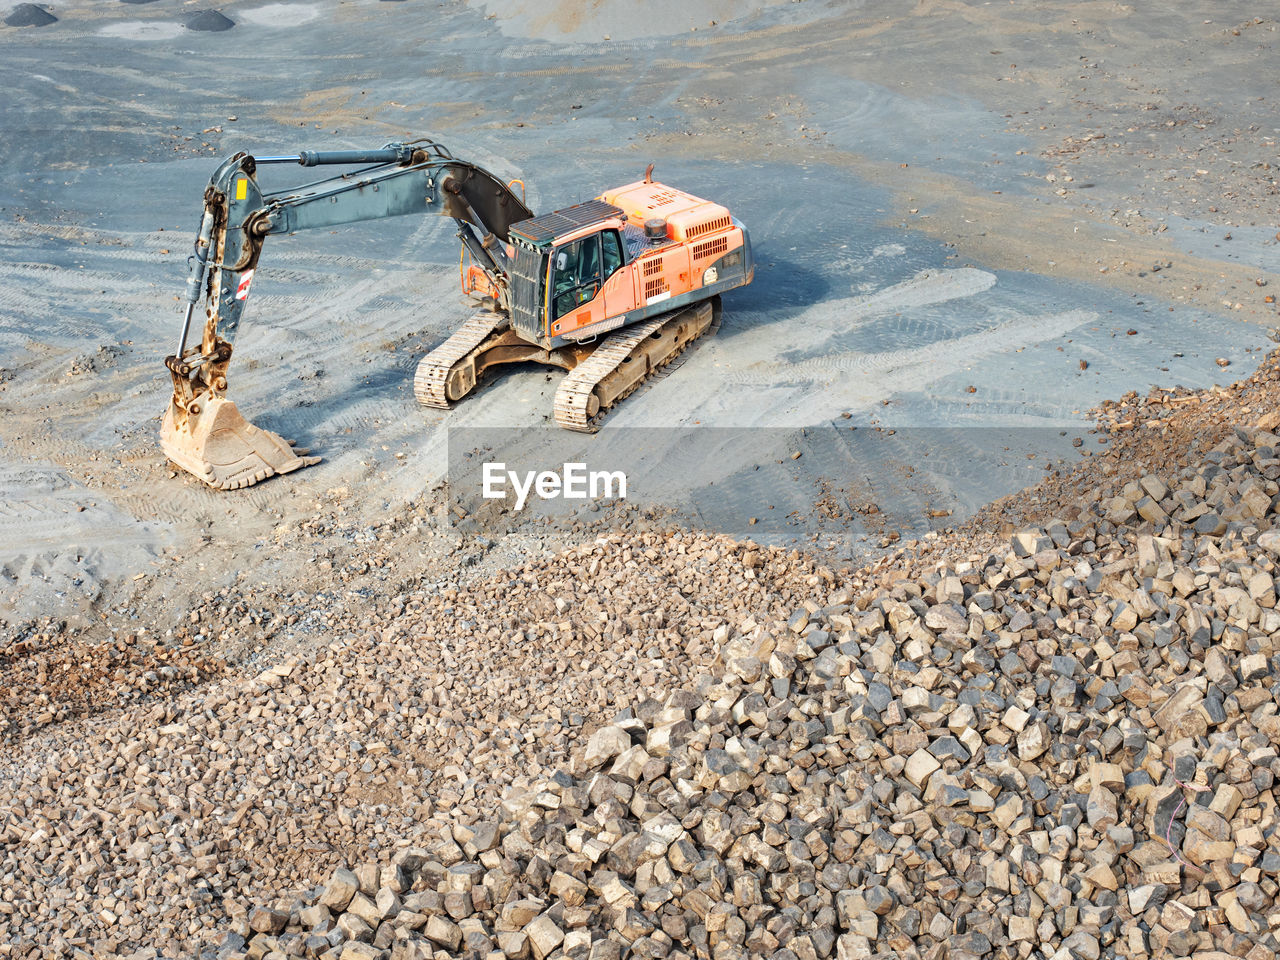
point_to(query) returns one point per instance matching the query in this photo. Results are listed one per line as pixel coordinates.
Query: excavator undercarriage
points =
(583, 289)
(599, 374)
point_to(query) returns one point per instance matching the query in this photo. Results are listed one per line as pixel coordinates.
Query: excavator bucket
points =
(222, 448)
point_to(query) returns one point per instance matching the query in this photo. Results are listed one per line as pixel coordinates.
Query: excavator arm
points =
(202, 430)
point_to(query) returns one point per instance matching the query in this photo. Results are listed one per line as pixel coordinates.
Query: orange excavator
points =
(609, 290)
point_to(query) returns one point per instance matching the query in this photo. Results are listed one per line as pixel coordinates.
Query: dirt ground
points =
(972, 222)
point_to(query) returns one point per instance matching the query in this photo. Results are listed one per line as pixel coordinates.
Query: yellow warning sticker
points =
(242, 188)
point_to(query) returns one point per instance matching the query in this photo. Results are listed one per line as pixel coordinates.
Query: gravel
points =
(1063, 745)
(143, 826)
(1058, 740)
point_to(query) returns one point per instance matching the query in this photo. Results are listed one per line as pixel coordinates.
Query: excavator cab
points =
(577, 274)
(582, 268)
(560, 269)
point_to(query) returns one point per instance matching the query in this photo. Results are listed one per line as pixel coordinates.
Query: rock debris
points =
(1059, 743)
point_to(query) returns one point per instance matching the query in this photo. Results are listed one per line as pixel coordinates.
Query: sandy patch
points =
(158, 30)
(281, 14)
(59, 540)
(568, 20)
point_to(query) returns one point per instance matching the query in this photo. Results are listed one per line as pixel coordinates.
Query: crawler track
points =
(623, 362)
(432, 381)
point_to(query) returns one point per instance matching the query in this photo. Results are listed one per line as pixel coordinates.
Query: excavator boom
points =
(203, 432)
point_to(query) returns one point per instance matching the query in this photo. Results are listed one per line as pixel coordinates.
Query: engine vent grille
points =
(653, 267)
(708, 226)
(662, 198)
(654, 287)
(709, 248)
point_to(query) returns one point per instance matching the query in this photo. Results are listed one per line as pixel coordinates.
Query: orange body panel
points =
(698, 232)
(476, 282)
(688, 217)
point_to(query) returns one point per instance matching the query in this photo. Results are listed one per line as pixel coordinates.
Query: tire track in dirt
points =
(940, 358)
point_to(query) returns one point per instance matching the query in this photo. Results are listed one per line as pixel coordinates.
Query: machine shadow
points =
(781, 291)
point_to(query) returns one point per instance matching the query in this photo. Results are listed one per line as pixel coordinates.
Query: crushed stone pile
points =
(1141, 434)
(212, 21)
(48, 677)
(142, 828)
(29, 15)
(1064, 748)
(1057, 740)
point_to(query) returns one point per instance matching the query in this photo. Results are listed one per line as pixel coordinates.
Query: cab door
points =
(590, 282)
(619, 283)
(576, 297)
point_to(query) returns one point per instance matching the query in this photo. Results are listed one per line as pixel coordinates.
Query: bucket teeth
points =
(226, 451)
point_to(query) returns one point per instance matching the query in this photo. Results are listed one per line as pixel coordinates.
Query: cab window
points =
(612, 248)
(577, 274)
